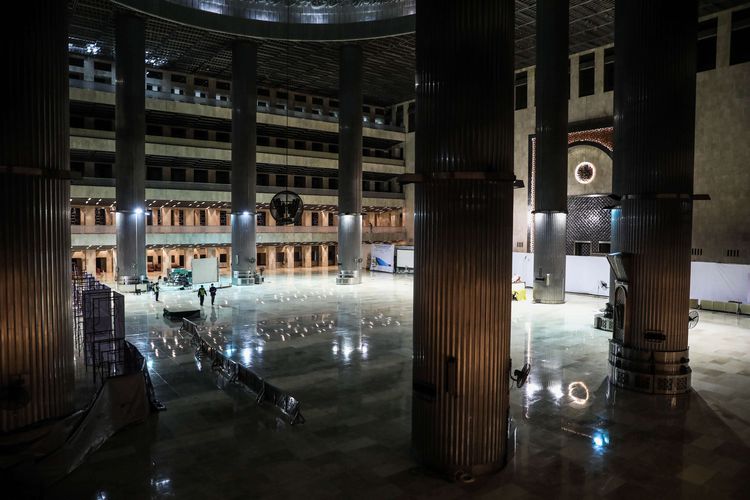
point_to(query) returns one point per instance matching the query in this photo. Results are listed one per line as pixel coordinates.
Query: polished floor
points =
(345, 352)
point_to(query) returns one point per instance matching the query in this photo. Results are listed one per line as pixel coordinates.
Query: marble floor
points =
(345, 352)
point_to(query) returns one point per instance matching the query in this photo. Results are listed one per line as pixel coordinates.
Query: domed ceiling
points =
(312, 66)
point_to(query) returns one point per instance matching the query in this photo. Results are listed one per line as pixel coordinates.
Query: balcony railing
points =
(208, 101)
(204, 186)
(110, 229)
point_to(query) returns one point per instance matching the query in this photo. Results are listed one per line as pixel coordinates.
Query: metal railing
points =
(111, 229)
(208, 101)
(234, 372)
(99, 326)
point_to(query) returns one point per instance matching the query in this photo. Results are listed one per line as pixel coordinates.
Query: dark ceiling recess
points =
(313, 66)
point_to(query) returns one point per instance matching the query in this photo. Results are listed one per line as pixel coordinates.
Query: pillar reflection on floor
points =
(352, 370)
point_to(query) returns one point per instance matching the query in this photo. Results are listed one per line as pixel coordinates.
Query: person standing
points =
(212, 291)
(201, 294)
(155, 288)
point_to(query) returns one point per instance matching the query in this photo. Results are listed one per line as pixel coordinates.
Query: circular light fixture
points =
(286, 208)
(585, 172)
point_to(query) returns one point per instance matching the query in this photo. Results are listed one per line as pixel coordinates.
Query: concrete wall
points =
(409, 158)
(225, 113)
(722, 164)
(78, 191)
(95, 140)
(722, 158)
(602, 181)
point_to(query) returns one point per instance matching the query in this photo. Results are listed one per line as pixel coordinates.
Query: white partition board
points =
(405, 257)
(708, 280)
(205, 271)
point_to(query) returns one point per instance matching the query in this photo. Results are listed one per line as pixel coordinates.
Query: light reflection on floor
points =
(345, 352)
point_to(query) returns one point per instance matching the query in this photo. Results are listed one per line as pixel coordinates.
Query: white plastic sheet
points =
(723, 282)
(405, 257)
(708, 280)
(205, 271)
(587, 275)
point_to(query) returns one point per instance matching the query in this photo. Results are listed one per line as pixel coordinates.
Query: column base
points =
(131, 280)
(605, 320)
(246, 278)
(653, 372)
(349, 278)
(549, 257)
(602, 322)
(543, 301)
(459, 473)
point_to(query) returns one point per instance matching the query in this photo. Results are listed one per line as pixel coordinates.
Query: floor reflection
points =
(345, 352)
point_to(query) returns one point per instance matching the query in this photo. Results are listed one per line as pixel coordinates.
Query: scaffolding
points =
(99, 326)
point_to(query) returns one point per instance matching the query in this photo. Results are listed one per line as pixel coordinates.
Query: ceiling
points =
(312, 67)
(306, 11)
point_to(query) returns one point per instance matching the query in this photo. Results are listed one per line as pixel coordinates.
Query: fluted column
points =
(463, 208)
(90, 265)
(550, 181)
(653, 173)
(36, 338)
(130, 147)
(350, 165)
(244, 169)
(166, 262)
(614, 246)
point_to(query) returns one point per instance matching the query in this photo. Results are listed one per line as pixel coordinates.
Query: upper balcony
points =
(220, 153)
(103, 236)
(221, 108)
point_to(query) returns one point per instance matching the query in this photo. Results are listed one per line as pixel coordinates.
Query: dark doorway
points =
(315, 256)
(101, 264)
(582, 248)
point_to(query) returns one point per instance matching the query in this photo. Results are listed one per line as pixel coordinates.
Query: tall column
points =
(464, 206)
(130, 146)
(575, 79)
(244, 169)
(653, 173)
(350, 165)
(723, 38)
(289, 257)
(599, 71)
(91, 262)
(36, 338)
(550, 182)
(531, 84)
(614, 246)
(166, 262)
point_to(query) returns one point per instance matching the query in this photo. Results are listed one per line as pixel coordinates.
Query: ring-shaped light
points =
(585, 172)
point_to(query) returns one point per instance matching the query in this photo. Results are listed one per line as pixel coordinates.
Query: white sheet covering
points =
(708, 280)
